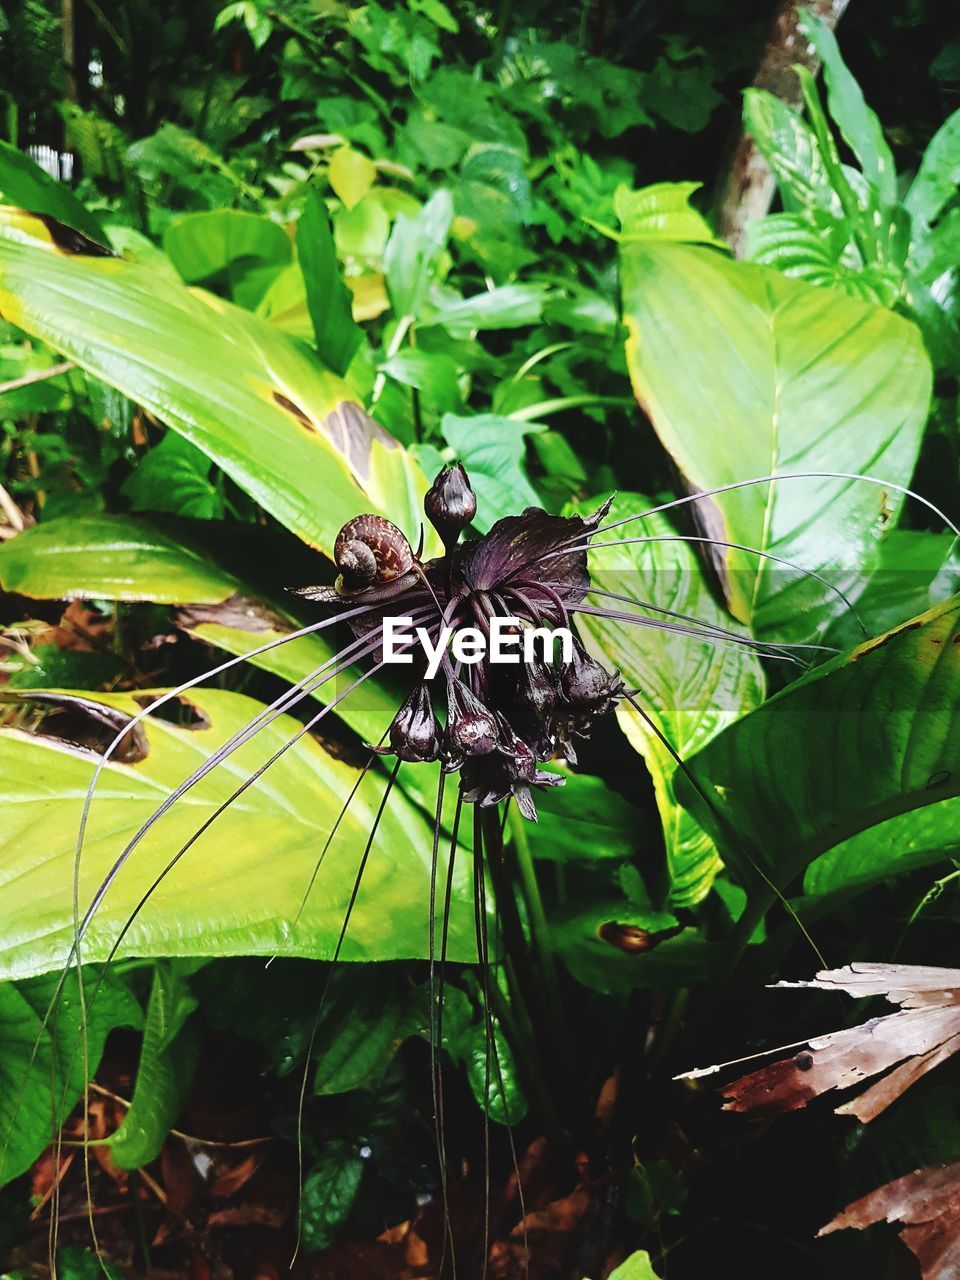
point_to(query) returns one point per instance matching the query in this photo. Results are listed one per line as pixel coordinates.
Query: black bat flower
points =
(530, 570)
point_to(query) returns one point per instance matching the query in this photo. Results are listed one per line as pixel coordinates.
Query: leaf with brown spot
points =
(927, 1205)
(259, 404)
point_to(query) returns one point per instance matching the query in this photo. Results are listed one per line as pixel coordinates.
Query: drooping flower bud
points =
(471, 728)
(537, 690)
(415, 733)
(450, 504)
(588, 686)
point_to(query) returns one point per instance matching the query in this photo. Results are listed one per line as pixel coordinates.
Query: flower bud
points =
(415, 733)
(471, 728)
(587, 685)
(537, 690)
(450, 504)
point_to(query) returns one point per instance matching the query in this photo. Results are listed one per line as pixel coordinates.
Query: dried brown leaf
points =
(906, 1044)
(927, 1205)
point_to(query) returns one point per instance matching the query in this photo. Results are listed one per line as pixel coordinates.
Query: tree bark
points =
(748, 184)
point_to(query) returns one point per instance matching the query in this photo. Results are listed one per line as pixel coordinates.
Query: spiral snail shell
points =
(371, 550)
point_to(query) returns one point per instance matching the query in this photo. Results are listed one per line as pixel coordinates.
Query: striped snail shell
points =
(370, 549)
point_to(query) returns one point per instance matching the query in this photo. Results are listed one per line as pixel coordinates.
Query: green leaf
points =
(74, 1263)
(174, 476)
(490, 1066)
(285, 429)
(493, 449)
(662, 212)
(42, 1067)
(939, 174)
(24, 183)
(858, 124)
(637, 1267)
(369, 1013)
(329, 300)
(413, 252)
(790, 147)
(328, 1194)
(351, 175)
(585, 821)
(432, 372)
(690, 687)
(122, 558)
(926, 837)
(167, 1060)
(239, 892)
(815, 246)
(511, 306)
(786, 384)
(884, 723)
(205, 245)
(109, 558)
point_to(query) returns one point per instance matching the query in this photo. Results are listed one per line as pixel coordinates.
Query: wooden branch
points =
(748, 185)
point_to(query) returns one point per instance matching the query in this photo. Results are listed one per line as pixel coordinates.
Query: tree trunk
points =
(748, 185)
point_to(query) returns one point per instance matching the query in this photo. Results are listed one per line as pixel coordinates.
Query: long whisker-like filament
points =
(724, 824)
(224, 805)
(735, 546)
(289, 698)
(479, 899)
(714, 627)
(368, 764)
(438, 1103)
(783, 475)
(325, 990)
(676, 628)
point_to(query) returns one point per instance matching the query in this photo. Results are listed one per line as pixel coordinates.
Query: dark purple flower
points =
(415, 733)
(450, 504)
(504, 720)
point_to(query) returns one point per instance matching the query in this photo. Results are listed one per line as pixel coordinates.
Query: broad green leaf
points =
(870, 735)
(74, 1263)
(413, 252)
(858, 124)
(284, 428)
(123, 558)
(329, 1191)
(109, 558)
(926, 837)
(174, 477)
(167, 1060)
(432, 372)
(939, 174)
(42, 1068)
(745, 373)
(351, 175)
(690, 687)
(24, 183)
(203, 245)
(490, 1065)
(789, 146)
(815, 246)
(511, 306)
(579, 936)
(916, 571)
(637, 1267)
(368, 1015)
(328, 298)
(238, 891)
(586, 820)
(662, 212)
(493, 449)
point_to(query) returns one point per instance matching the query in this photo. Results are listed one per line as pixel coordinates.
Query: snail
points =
(374, 560)
(368, 550)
